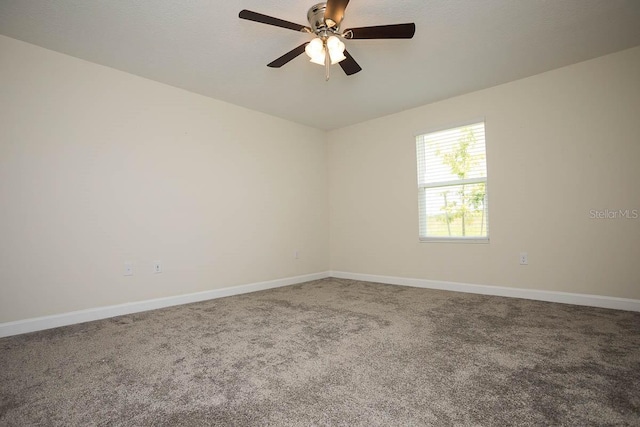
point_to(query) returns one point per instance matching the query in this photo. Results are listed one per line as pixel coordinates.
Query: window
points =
(452, 184)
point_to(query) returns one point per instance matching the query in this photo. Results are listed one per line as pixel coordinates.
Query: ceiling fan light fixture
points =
(327, 47)
(315, 51)
(336, 48)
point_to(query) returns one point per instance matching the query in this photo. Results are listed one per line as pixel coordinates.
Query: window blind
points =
(452, 184)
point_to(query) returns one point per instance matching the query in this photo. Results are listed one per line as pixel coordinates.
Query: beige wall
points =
(99, 167)
(559, 145)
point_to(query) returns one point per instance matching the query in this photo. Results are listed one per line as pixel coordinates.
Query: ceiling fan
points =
(326, 47)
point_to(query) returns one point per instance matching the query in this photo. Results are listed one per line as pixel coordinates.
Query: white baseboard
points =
(533, 294)
(74, 317)
(81, 316)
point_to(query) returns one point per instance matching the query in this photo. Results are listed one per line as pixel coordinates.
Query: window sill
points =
(472, 240)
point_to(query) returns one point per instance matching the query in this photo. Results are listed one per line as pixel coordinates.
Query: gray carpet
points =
(331, 352)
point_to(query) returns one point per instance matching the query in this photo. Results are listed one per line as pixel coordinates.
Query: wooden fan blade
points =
(270, 20)
(349, 65)
(335, 11)
(288, 56)
(395, 31)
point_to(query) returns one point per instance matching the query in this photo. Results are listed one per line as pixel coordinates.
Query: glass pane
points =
(452, 155)
(456, 211)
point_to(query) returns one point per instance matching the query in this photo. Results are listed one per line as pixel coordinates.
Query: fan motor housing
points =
(317, 21)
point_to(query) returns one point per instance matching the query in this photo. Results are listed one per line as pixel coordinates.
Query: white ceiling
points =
(202, 46)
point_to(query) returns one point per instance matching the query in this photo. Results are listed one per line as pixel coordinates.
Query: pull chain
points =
(327, 63)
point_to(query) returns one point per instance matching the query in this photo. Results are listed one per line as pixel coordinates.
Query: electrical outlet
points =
(157, 267)
(128, 269)
(524, 258)
(296, 254)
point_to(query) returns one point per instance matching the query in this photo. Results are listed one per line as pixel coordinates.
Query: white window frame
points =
(422, 186)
